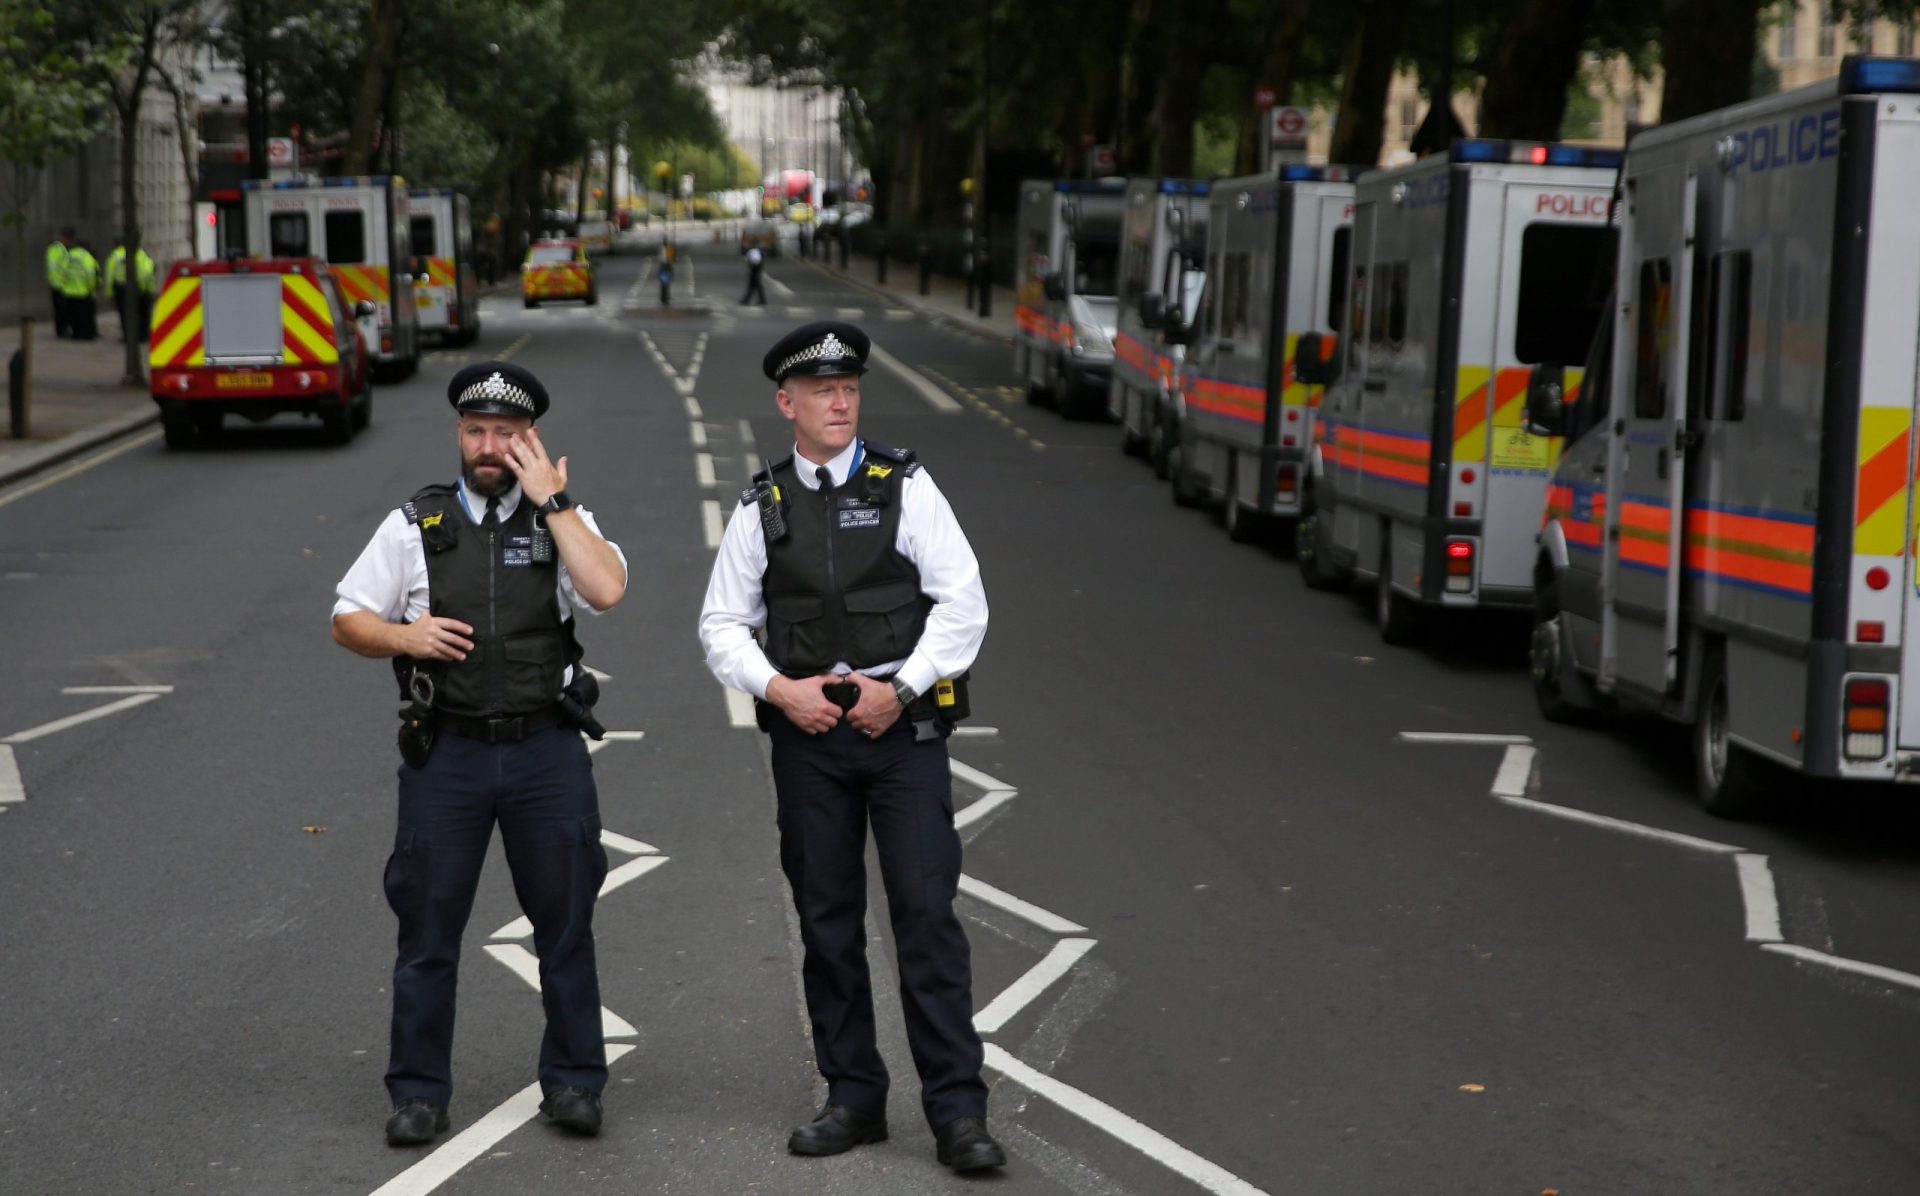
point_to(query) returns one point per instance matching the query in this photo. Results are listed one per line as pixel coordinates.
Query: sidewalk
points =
(78, 401)
(946, 298)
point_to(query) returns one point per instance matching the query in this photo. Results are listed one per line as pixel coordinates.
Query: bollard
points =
(926, 270)
(17, 395)
(880, 264)
(845, 241)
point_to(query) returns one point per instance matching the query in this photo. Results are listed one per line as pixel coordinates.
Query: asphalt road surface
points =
(1233, 931)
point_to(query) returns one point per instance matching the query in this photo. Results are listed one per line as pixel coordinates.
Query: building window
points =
(1828, 28)
(1862, 29)
(1790, 34)
(1409, 116)
(1903, 39)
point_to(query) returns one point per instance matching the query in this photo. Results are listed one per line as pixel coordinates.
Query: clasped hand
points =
(809, 709)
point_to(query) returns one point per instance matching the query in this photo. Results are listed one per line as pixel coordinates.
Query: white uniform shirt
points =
(390, 578)
(928, 535)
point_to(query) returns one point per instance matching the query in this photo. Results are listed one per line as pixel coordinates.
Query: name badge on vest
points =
(857, 513)
(516, 550)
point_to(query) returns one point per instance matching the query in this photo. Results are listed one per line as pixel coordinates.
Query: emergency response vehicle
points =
(1468, 267)
(1068, 251)
(1278, 250)
(1163, 238)
(1730, 536)
(361, 228)
(557, 269)
(258, 339)
(446, 290)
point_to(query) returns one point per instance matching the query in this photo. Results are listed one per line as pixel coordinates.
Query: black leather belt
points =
(498, 730)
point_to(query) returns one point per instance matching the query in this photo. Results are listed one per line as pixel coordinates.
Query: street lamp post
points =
(984, 258)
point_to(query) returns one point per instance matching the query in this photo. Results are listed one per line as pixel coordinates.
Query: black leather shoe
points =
(965, 1145)
(573, 1109)
(414, 1122)
(837, 1130)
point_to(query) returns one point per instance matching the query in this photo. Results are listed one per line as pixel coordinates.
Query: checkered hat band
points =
(831, 349)
(497, 389)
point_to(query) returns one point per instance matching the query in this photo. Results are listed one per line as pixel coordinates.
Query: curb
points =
(71, 445)
(931, 312)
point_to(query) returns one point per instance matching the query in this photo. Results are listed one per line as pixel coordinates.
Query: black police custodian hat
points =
(824, 349)
(497, 388)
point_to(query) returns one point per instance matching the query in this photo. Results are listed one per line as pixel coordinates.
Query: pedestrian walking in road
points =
(665, 276)
(851, 693)
(66, 281)
(756, 262)
(468, 588)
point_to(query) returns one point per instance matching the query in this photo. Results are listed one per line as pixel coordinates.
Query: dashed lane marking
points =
(524, 964)
(937, 398)
(622, 843)
(1038, 979)
(1516, 769)
(1052, 923)
(85, 716)
(740, 709)
(693, 407)
(710, 522)
(697, 433)
(703, 469)
(1761, 899)
(595, 746)
(11, 787)
(1619, 824)
(1872, 971)
(117, 689)
(1458, 737)
(987, 804)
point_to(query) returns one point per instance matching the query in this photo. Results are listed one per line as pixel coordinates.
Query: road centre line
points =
(596, 745)
(74, 720)
(12, 789)
(703, 469)
(1457, 737)
(975, 732)
(469, 1144)
(634, 869)
(683, 385)
(693, 407)
(1618, 824)
(1761, 899)
(780, 289)
(526, 965)
(697, 432)
(621, 842)
(1155, 1145)
(710, 522)
(975, 811)
(1038, 978)
(79, 467)
(1516, 769)
(1052, 923)
(975, 777)
(118, 689)
(1842, 964)
(939, 399)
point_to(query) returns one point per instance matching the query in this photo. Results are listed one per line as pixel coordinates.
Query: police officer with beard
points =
(849, 557)
(467, 588)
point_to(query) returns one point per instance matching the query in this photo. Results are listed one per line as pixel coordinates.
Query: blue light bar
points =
(297, 184)
(1582, 155)
(1859, 73)
(1479, 150)
(1184, 187)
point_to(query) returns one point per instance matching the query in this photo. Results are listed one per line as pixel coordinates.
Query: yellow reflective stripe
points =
(182, 295)
(1884, 479)
(315, 342)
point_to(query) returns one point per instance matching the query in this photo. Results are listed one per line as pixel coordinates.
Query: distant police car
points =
(557, 270)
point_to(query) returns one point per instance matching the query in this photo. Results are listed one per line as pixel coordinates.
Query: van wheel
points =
(1243, 526)
(363, 408)
(532, 302)
(179, 434)
(1310, 535)
(1038, 395)
(1157, 443)
(1728, 778)
(1185, 493)
(593, 297)
(1563, 693)
(1397, 616)
(1132, 443)
(211, 425)
(336, 425)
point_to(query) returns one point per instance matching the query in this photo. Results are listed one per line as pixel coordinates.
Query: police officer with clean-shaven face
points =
(849, 557)
(468, 589)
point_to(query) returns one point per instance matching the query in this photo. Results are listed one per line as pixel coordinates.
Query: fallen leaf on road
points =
(1473, 1087)
(314, 830)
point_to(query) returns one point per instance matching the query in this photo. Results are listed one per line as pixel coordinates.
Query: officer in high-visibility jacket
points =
(86, 286)
(849, 557)
(66, 280)
(143, 282)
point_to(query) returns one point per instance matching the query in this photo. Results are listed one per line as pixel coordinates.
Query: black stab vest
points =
(489, 581)
(836, 588)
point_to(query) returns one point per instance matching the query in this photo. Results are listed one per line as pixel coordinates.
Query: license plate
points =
(244, 381)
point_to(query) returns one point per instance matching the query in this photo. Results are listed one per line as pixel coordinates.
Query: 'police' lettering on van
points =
(1571, 207)
(1784, 143)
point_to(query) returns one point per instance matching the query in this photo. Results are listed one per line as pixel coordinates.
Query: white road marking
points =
(1616, 824)
(710, 522)
(1453, 737)
(693, 407)
(1516, 768)
(740, 709)
(78, 467)
(74, 720)
(1040, 977)
(597, 674)
(596, 745)
(11, 787)
(1839, 963)
(975, 811)
(697, 432)
(974, 776)
(703, 469)
(1155, 1145)
(975, 732)
(118, 689)
(620, 842)
(799, 313)
(980, 890)
(896, 313)
(1759, 896)
(526, 965)
(474, 1141)
(850, 313)
(939, 399)
(780, 289)
(683, 385)
(746, 433)
(631, 870)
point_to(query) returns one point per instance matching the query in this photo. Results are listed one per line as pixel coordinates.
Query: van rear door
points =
(241, 314)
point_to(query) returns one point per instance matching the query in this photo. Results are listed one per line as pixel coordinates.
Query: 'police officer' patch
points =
(857, 513)
(516, 551)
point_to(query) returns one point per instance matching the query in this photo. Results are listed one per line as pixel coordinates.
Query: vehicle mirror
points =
(1056, 288)
(1153, 310)
(1546, 400)
(1313, 357)
(1174, 330)
(365, 308)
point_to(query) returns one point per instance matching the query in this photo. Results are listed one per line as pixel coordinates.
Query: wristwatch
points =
(556, 503)
(904, 692)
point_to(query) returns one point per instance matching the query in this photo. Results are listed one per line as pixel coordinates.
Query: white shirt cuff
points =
(759, 674)
(919, 674)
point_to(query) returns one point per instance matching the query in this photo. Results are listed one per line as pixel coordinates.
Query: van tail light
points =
(1459, 566)
(1286, 481)
(1870, 631)
(1866, 712)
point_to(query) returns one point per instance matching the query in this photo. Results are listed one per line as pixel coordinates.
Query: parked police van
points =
(1064, 303)
(1277, 267)
(446, 290)
(361, 227)
(1163, 239)
(1468, 268)
(1728, 539)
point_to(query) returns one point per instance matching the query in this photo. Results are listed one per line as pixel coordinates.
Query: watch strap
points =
(556, 502)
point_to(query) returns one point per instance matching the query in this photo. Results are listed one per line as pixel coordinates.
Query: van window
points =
(1653, 338)
(1210, 298)
(1234, 297)
(1397, 305)
(1730, 310)
(1096, 268)
(288, 235)
(346, 237)
(1337, 293)
(423, 242)
(1379, 318)
(1563, 273)
(1356, 318)
(1589, 408)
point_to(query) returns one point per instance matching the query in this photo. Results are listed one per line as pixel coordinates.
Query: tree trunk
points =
(253, 83)
(1712, 43)
(1534, 62)
(580, 191)
(128, 101)
(1175, 109)
(1365, 76)
(382, 40)
(1276, 70)
(189, 169)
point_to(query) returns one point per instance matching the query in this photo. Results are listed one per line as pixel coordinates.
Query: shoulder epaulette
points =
(907, 459)
(423, 497)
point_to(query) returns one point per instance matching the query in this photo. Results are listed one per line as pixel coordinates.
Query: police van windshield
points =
(1565, 270)
(1096, 268)
(423, 241)
(547, 255)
